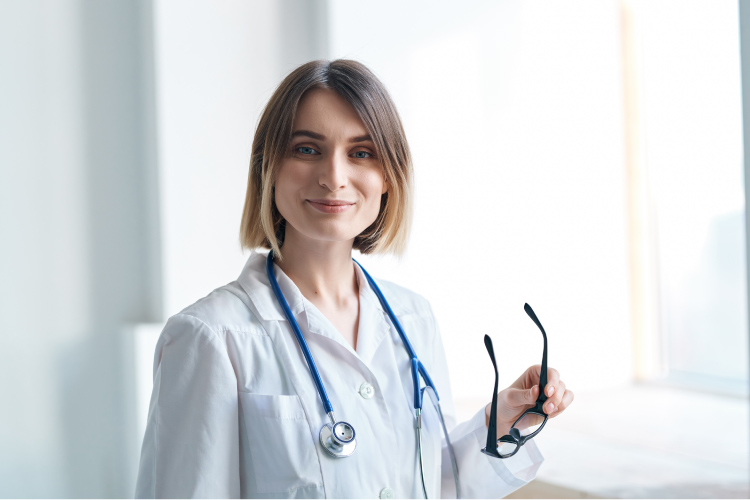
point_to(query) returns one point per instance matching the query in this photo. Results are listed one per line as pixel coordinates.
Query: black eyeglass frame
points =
(515, 436)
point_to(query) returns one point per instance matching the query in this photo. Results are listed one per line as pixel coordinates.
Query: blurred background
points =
(583, 156)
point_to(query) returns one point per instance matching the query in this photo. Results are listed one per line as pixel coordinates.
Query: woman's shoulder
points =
(225, 309)
(404, 301)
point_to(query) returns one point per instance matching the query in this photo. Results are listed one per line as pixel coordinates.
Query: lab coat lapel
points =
(254, 282)
(373, 327)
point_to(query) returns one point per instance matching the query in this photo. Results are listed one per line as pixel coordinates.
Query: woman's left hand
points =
(522, 395)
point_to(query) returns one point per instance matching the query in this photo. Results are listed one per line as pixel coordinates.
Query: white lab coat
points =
(235, 413)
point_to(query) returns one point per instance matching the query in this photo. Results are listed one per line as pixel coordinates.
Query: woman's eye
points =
(362, 154)
(306, 150)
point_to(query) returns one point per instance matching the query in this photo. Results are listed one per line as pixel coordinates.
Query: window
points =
(686, 193)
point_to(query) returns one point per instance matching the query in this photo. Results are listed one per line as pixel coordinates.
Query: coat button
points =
(386, 493)
(366, 391)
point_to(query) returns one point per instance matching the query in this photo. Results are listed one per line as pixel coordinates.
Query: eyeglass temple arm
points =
(543, 375)
(491, 446)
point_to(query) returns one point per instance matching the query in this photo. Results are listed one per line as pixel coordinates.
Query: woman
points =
(235, 410)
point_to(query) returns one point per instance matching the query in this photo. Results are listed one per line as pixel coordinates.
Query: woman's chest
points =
(281, 416)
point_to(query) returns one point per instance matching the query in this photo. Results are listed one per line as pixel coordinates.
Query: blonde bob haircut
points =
(262, 225)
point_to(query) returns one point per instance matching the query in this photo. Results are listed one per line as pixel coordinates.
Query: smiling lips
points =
(331, 206)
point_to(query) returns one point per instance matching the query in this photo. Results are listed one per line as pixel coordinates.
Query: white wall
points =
(108, 168)
(77, 255)
(217, 65)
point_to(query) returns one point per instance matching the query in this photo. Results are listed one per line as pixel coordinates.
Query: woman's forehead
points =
(326, 113)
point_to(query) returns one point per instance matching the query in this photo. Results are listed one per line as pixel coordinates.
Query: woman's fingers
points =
(553, 379)
(520, 395)
(567, 399)
(557, 394)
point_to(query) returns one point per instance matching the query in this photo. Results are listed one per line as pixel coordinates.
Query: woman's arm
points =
(191, 445)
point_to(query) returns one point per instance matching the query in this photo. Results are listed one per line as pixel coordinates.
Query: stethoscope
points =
(338, 438)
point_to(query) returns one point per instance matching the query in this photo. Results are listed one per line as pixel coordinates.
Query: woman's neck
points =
(322, 270)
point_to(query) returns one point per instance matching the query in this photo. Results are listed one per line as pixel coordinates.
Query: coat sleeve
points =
(191, 445)
(480, 476)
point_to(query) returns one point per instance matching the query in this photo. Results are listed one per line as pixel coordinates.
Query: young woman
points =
(237, 408)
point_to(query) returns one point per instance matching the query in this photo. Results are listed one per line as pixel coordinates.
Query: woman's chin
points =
(324, 232)
(308, 238)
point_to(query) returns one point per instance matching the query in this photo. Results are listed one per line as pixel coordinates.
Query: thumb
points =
(531, 395)
(522, 397)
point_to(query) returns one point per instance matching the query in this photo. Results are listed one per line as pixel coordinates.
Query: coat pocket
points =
(281, 446)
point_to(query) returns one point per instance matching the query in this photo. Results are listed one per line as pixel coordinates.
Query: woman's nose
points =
(333, 173)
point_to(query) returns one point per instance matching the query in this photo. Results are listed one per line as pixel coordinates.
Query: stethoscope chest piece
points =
(339, 440)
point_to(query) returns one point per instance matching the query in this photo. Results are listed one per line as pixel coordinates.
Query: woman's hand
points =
(522, 394)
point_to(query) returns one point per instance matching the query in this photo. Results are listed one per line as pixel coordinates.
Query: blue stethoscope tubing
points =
(417, 369)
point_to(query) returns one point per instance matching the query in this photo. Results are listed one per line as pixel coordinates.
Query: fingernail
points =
(551, 390)
(550, 408)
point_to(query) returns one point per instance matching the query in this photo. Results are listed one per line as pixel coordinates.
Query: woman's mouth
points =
(331, 206)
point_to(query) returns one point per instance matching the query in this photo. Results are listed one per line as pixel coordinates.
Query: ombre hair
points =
(262, 225)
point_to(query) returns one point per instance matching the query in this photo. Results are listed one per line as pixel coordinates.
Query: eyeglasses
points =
(530, 422)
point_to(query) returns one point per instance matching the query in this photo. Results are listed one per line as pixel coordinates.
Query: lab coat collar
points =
(254, 282)
(373, 322)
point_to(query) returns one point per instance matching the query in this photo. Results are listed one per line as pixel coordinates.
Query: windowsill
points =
(639, 442)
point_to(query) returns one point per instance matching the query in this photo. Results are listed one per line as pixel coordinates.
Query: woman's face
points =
(329, 185)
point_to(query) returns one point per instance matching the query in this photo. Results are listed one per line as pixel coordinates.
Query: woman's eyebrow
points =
(361, 138)
(321, 137)
(307, 133)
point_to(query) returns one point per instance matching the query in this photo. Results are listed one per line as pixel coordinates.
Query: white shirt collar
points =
(373, 322)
